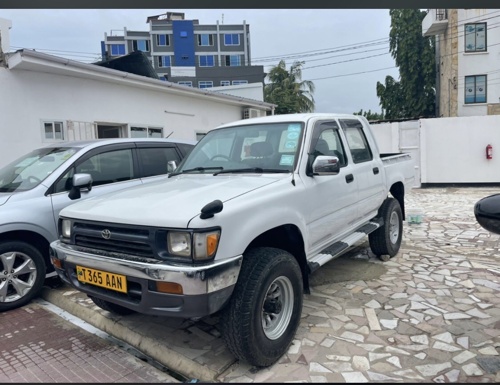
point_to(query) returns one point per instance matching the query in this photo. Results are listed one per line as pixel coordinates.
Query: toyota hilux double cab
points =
(238, 227)
(36, 186)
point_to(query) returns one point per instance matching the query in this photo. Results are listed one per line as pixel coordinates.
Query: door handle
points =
(375, 170)
(349, 178)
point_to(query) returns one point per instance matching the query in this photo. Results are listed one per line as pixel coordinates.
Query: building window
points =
(163, 61)
(206, 60)
(140, 45)
(233, 61)
(185, 83)
(475, 37)
(205, 84)
(225, 83)
(205, 39)
(475, 89)
(146, 132)
(231, 39)
(162, 40)
(117, 49)
(237, 82)
(53, 131)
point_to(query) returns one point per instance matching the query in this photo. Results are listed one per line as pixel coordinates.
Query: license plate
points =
(102, 278)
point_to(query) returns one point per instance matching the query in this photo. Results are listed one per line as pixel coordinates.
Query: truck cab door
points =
(367, 169)
(331, 199)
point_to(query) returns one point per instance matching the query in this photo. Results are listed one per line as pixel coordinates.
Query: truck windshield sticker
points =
(287, 160)
(292, 137)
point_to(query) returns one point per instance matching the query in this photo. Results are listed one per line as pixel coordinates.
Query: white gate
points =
(409, 142)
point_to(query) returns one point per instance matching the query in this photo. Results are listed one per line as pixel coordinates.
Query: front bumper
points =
(205, 289)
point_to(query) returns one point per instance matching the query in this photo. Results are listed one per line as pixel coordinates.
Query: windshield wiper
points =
(251, 169)
(199, 169)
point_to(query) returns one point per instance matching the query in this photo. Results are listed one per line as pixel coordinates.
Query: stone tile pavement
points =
(430, 314)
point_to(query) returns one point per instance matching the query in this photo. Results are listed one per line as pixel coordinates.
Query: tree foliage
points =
(414, 94)
(287, 90)
(370, 115)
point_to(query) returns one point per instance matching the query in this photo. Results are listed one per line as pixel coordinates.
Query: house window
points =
(475, 89)
(117, 49)
(205, 84)
(237, 82)
(225, 83)
(206, 60)
(146, 132)
(183, 34)
(53, 131)
(205, 39)
(163, 61)
(475, 37)
(185, 83)
(162, 40)
(233, 61)
(231, 39)
(140, 45)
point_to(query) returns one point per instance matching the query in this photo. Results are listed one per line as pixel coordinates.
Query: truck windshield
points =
(31, 169)
(265, 147)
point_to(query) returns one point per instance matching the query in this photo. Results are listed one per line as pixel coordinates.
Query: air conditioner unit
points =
(252, 113)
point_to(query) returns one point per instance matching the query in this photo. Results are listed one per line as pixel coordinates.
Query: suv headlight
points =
(66, 228)
(196, 245)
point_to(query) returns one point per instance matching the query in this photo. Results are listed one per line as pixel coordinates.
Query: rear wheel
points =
(386, 240)
(111, 307)
(263, 314)
(22, 273)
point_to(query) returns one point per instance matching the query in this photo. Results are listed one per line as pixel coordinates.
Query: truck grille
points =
(121, 240)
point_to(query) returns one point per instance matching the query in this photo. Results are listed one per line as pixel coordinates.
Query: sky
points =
(345, 51)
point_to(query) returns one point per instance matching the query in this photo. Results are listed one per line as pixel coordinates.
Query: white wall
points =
(30, 97)
(449, 150)
(480, 63)
(252, 90)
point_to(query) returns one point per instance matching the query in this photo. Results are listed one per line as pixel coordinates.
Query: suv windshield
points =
(266, 147)
(31, 169)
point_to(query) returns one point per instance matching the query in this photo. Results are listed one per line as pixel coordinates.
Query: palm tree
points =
(288, 91)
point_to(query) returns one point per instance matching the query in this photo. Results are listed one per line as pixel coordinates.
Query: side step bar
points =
(337, 249)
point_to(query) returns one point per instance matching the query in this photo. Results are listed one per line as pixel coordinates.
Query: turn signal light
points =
(169, 287)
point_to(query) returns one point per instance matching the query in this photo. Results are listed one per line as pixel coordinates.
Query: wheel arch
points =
(286, 237)
(36, 240)
(397, 190)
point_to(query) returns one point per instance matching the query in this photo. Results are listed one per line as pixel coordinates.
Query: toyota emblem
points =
(106, 234)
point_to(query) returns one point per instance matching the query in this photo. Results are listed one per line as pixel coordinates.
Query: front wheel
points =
(263, 314)
(386, 240)
(22, 273)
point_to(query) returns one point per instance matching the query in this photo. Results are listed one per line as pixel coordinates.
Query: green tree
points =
(288, 91)
(370, 115)
(414, 94)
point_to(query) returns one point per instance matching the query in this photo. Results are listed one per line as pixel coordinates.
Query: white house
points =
(467, 52)
(47, 98)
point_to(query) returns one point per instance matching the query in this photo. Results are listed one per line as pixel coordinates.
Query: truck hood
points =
(4, 197)
(172, 202)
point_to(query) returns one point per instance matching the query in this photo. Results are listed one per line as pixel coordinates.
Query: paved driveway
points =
(430, 314)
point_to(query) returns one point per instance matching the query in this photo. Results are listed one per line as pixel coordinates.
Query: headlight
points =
(179, 243)
(203, 246)
(66, 228)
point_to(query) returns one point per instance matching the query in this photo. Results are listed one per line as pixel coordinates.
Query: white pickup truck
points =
(238, 227)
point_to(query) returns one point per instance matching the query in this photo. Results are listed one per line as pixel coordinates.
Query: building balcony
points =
(435, 22)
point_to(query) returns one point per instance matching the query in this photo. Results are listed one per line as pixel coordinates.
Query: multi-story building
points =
(467, 60)
(185, 52)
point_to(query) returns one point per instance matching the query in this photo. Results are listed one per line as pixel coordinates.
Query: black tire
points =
(386, 240)
(266, 273)
(22, 273)
(111, 307)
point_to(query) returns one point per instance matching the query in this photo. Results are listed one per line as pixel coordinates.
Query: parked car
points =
(487, 212)
(35, 187)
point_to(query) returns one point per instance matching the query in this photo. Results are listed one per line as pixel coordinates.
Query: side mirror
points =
(487, 213)
(79, 181)
(326, 165)
(171, 166)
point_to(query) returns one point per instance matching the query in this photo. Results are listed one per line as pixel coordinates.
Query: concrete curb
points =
(147, 345)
